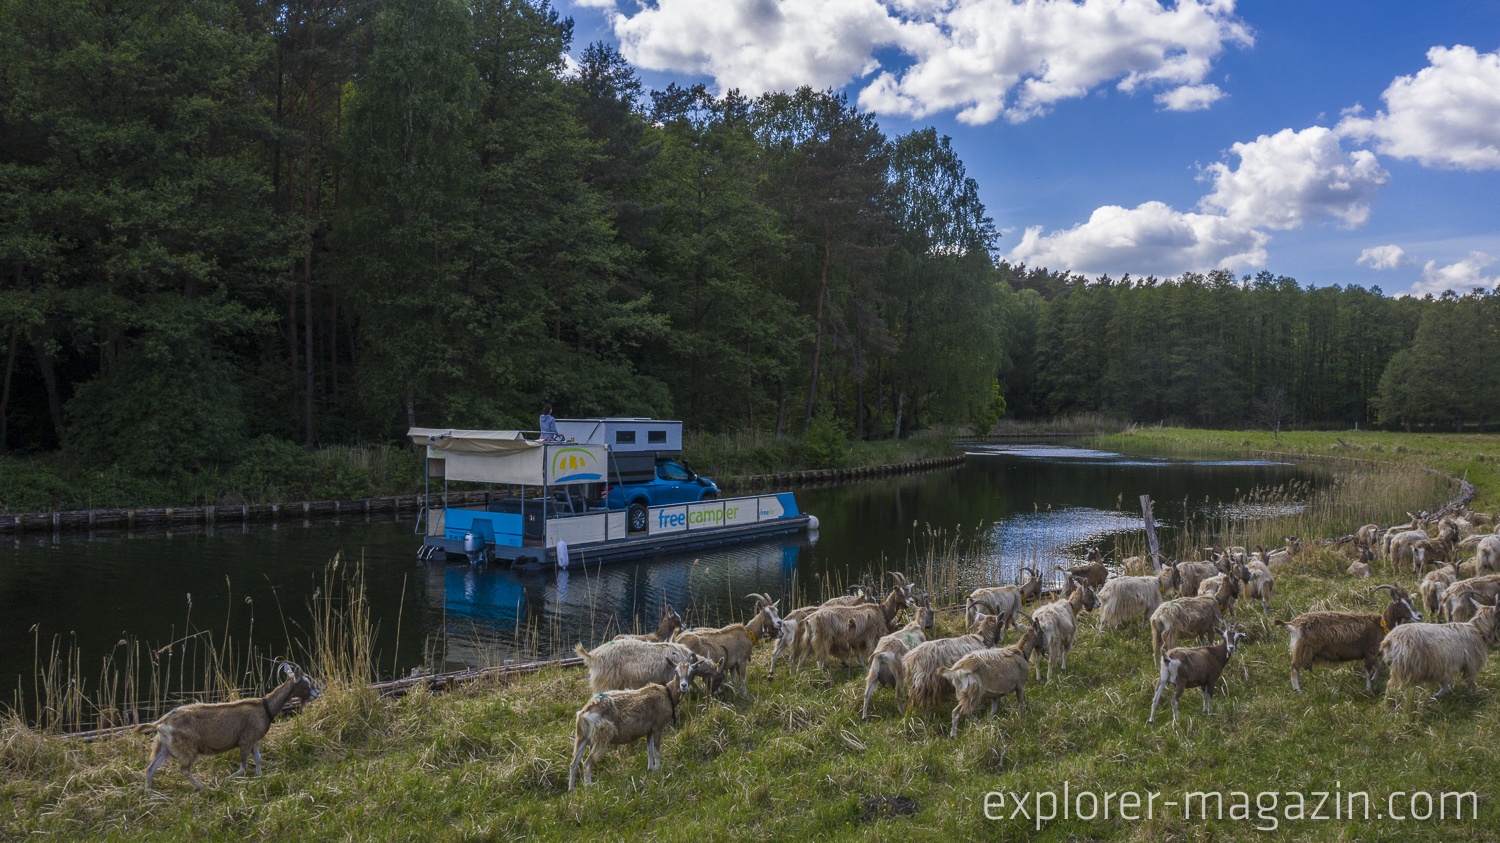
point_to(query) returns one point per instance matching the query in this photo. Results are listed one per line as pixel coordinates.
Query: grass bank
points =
(1475, 457)
(795, 762)
(745, 453)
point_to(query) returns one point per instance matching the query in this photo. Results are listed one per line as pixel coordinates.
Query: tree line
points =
(1213, 350)
(323, 221)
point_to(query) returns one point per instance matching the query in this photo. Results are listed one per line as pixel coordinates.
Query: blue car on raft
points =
(603, 490)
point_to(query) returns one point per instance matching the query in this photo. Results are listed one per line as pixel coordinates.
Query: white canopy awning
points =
(471, 441)
(503, 456)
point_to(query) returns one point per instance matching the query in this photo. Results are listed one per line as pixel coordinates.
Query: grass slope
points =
(1473, 456)
(796, 762)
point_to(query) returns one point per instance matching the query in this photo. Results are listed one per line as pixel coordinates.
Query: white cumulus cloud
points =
(755, 45)
(1459, 277)
(1290, 178)
(1389, 256)
(981, 58)
(1189, 97)
(1447, 115)
(1150, 239)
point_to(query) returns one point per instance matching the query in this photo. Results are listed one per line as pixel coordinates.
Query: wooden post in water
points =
(1151, 533)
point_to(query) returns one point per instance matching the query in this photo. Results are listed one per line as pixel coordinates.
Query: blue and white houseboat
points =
(602, 490)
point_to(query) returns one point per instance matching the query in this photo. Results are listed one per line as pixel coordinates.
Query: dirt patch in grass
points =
(884, 807)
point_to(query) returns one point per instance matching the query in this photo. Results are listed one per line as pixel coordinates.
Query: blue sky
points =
(1334, 142)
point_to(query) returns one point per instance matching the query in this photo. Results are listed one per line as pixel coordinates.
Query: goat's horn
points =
(1389, 588)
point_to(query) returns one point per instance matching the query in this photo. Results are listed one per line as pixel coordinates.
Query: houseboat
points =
(600, 490)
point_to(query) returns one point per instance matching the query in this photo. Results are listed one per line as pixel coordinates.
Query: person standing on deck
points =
(548, 425)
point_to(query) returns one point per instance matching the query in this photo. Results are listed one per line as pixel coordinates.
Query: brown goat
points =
(731, 646)
(987, 675)
(669, 624)
(1334, 637)
(1195, 667)
(616, 718)
(186, 732)
(1092, 571)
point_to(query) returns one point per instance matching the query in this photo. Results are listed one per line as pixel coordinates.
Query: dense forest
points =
(231, 221)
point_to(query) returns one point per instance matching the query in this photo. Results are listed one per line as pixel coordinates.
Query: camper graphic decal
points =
(575, 465)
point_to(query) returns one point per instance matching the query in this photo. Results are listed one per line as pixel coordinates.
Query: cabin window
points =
(656, 437)
(624, 437)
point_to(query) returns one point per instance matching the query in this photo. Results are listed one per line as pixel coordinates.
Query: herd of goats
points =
(638, 681)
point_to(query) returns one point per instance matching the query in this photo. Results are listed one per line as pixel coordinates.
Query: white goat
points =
(885, 662)
(1430, 652)
(1058, 623)
(1128, 598)
(924, 664)
(628, 664)
(1460, 598)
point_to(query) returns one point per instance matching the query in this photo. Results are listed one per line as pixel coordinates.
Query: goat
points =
(1185, 617)
(1261, 584)
(987, 675)
(1226, 588)
(629, 664)
(188, 731)
(1195, 667)
(885, 662)
(853, 631)
(1405, 545)
(924, 664)
(1435, 585)
(1430, 652)
(1362, 567)
(1367, 535)
(616, 718)
(1004, 600)
(844, 632)
(1058, 623)
(1459, 599)
(1334, 637)
(1487, 554)
(670, 623)
(794, 640)
(1282, 555)
(731, 646)
(1092, 571)
(1194, 573)
(1126, 598)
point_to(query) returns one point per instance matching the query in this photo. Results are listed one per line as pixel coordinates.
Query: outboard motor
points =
(474, 548)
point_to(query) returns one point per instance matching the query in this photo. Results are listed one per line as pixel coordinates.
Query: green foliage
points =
(987, 414)
(173, 412)
(825, 445)
(363, 215)
(1424, 383)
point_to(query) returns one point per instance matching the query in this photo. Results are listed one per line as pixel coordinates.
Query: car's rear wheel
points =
(636, 517)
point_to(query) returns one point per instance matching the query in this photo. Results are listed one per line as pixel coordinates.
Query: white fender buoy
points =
(562, 555)
(812, 522)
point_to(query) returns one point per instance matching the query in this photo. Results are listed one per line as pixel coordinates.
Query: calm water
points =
(1035, 504)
